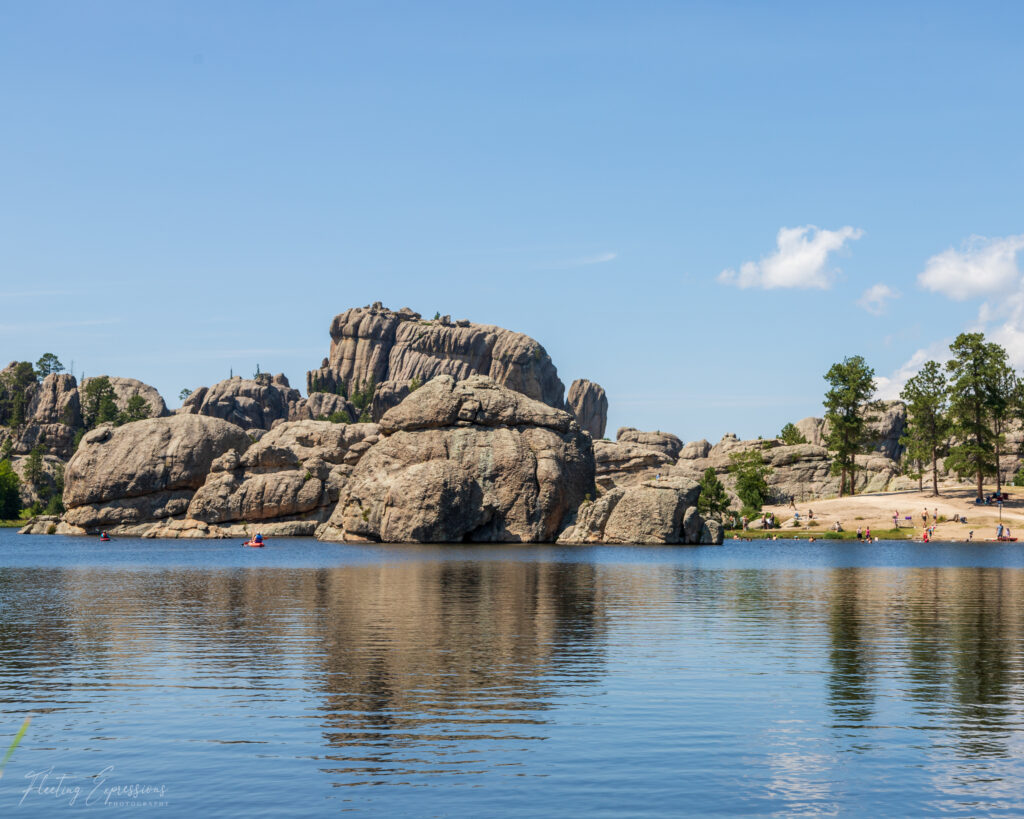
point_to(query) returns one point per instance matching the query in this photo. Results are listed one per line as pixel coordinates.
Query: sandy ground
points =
(876, 510)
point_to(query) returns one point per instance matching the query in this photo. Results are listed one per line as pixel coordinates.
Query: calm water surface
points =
(321, 679)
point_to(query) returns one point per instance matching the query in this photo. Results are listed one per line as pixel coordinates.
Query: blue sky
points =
(194, 187)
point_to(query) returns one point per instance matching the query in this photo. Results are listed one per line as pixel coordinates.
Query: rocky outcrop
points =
(293, 473)
(249, 404)
(695, 449)
(380, 345)
(885, 425)
(144, 471)
(466, 461)
(320, 406)
(127, 388)
(654, 512)
(800, 472)
(56, 401)
(389, 394)
(625, 464)
(588, 402)
(51, 476)
(664, 442)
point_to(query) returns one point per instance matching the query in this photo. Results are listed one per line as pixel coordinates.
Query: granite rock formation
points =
(626, 464)
(144, 471)
(319, 406)
(466, 461)
(126, 388)
(249, 404)
(664, 442)
(653, 512)
(375, 344)
(293, 474)
(588, 402)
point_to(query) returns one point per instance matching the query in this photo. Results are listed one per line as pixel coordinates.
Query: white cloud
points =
(799, 260)
(889, 386)
(876, 298)
(981, 267)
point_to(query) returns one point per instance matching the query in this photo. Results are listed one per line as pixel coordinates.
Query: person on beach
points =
(896, 519)
(999, 531)
(867, 534)
(860, 533)
(970, 536)
(924, 518)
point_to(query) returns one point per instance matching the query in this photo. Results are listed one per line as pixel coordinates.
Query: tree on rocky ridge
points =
(927, 429)
(1005, 399)
(98, 403)
(975, 365)
(852, 385)
(137, 409)
(16, 383)
(790, 435)
(48, 363)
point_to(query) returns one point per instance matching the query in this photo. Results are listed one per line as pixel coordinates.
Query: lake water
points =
(309, 679)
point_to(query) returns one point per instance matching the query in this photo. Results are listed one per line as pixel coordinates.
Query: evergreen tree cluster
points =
(961, 410)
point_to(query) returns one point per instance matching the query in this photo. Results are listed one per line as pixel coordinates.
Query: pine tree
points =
(751, 473)
(790, 435)
(852, 384)
(10, 498)
(927, 428)
(713, 500)
(972, 371)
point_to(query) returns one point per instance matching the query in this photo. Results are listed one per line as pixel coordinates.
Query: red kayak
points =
(253, 544)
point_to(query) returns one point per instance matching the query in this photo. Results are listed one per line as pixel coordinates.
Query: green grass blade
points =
(14, 744)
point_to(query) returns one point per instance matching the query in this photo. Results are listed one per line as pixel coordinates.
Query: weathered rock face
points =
(294, 472)
(654, 512)
(626, 464)
(695, 449)
(56, 401)
(801, 471)
(664, 442)
(320, 406)
(51, 474)
(144, 471)
(127, 388)
(885, 425)
(588, 402)
(374, 343)
(246, 403)
(466, 461)
(388, 394)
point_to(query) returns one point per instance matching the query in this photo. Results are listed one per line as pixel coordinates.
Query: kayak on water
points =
(254, 544)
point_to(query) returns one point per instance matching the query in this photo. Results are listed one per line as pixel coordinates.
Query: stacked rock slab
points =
(654, 512)
(467, 461)
(588, 402)
(394, 348)
(320, 406)
(665, 442)
(288, 482)
(144, 471)
(247, 403)
(627, 464)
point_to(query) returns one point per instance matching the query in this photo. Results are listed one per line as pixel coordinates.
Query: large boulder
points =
(695, 449)
(293, 473)
(247, 403)
(664, 442)
(146, 470)
(626, 464)
(654, 512)
(127, 388)
(588, 402)
(466, 461)
(375, 344)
